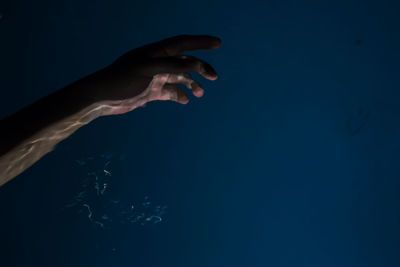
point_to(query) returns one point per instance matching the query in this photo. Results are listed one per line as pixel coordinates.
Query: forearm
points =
(32, 132)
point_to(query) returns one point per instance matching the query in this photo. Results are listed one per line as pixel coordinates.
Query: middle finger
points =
(178, 64)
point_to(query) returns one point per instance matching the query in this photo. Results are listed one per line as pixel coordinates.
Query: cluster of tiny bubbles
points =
(95, 200)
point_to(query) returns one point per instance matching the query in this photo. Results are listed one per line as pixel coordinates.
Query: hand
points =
(153, 72)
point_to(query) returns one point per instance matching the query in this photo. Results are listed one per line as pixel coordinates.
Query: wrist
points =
(95, 93)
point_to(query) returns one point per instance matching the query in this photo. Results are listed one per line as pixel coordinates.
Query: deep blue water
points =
(291, 158)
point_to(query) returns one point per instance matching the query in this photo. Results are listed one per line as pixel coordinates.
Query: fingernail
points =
(217, 43)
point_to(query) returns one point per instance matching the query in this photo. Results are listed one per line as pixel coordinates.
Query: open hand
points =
(153, 72)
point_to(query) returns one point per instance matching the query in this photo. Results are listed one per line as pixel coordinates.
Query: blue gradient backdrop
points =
(291, 158)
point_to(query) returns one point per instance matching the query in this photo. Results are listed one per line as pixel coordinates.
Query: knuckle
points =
(187, 76)
(201, 67)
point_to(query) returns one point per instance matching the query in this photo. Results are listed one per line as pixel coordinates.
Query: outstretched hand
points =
(148, 73)
(153, 72)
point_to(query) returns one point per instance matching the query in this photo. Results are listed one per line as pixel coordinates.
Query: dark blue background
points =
(291, 158)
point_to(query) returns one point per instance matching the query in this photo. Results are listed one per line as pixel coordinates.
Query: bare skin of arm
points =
(148, 73)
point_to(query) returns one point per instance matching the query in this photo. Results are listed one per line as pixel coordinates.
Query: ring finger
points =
(187, 80)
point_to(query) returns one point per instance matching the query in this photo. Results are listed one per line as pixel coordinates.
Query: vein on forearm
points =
(34, 131)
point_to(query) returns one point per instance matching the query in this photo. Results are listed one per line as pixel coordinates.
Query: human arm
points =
(145, 74)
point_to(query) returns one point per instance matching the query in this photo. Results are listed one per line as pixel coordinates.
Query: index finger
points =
(174, 45)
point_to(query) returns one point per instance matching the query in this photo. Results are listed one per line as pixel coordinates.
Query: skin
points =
(148, 73)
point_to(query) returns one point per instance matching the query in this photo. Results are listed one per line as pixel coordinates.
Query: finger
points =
(178, 64)
(177, 44)
(175, 93)
(187, 80)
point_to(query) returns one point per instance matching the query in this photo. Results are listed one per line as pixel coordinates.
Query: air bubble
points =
(95, 199)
